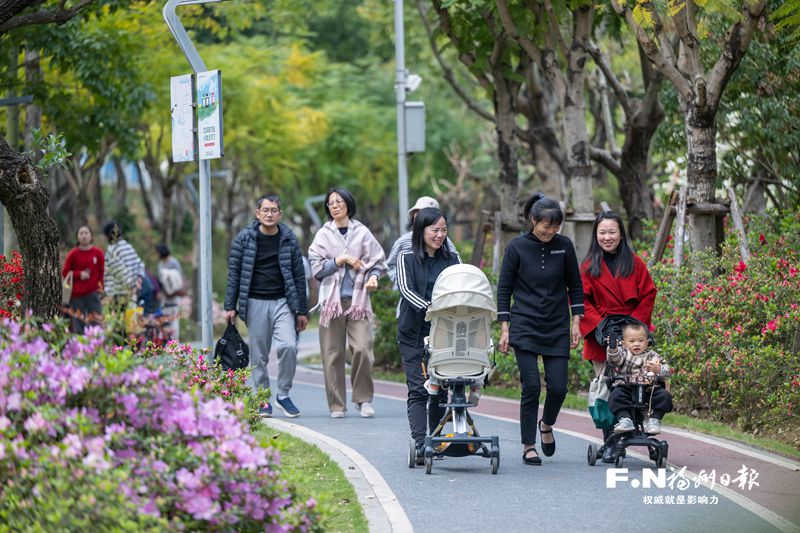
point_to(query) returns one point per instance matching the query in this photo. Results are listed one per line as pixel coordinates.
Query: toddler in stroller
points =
(637, 390)
(461, 312)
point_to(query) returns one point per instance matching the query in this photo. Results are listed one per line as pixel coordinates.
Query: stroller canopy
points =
(613, 324)
(462, 285)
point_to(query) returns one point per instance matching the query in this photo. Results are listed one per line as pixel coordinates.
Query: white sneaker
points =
(337, 414)
(366, 409)
(652, 426)
(432, 388)
(624, 425)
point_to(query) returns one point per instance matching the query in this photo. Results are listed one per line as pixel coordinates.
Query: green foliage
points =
(52, 149)
(384, 305)
(733, 335)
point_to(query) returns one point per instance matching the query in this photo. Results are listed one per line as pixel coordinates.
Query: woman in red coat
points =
(615, 282)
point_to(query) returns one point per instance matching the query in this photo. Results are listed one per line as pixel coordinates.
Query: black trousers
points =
(85, 309)
(555, 377)
(420, 412)
(620, 400)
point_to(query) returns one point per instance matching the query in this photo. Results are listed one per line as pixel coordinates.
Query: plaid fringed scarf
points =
(330, 244)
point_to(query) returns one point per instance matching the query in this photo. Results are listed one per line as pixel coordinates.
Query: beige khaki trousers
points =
(346, 339)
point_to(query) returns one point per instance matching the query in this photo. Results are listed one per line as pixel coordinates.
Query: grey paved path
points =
(565, 492)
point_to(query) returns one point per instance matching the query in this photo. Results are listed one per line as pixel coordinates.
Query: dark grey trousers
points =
(420, 412)
(555, 378)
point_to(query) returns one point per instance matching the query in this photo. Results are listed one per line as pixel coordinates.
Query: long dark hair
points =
(112, 231)
(543, 209)
(426, 217)
(349, 201)
(623, 266)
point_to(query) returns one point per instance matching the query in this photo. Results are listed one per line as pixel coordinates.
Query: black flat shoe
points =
(548, 448)
(529, 459)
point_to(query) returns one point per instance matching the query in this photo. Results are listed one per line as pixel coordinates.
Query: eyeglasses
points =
(269, 210)
(436, 231)
(335, 202)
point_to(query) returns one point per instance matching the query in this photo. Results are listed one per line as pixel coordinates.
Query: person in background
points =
(87, 265)
(615, 282)
(125, 280)
(347, 260)
(267, 280)
(540, 270)
(173, 285)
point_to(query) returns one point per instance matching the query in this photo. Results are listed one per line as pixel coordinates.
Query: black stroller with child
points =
(610, 329)
(461, 313)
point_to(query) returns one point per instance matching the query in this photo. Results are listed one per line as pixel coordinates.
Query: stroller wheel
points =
(495, 463)
(591, 454)
(412, 453)
(618, 462)
(428, 463)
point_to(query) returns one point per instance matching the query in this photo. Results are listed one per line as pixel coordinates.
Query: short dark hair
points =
(635, 325)
(543, 209)
(349, 201)
(623, 266)
(113, 231)
(426, 217)
(163, 250)
(271, 197)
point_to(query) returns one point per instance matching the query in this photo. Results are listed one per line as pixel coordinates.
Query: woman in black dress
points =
(540, 270)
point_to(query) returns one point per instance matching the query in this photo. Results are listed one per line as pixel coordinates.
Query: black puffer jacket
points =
(242, 261)
(415, 281)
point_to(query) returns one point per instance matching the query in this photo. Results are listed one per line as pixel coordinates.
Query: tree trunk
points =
(701, 174)
(33, 113)
(506, 149)
(25, 197)
(148, 206)
(122, 185)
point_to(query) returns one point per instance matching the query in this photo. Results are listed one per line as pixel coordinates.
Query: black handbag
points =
(231, 351)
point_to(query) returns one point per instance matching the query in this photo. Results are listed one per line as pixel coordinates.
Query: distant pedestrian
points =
(267, 280)
(540, 271)
(173, 286)
(347, 260)
(125, 280)
(86, 264)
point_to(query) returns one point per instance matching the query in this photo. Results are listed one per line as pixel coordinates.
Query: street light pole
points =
(204, 170)
(400, 92)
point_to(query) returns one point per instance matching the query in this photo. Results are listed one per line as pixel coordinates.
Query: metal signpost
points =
(204, 168)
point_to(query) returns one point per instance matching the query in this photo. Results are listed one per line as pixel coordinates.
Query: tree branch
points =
(554, 29)
(58, 16)
(512, 30)
(619, 90)
(686, 29)
(736, 42)
(654, 54)
(448, 73)
(605, 158)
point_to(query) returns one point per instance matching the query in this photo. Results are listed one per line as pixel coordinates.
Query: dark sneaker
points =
(288, 407)
(266, 410)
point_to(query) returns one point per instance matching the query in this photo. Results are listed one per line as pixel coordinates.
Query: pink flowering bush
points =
(196, 371)
(733, 334)
(94, 440)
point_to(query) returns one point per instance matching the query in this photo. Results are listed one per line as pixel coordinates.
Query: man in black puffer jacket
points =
(267, 279)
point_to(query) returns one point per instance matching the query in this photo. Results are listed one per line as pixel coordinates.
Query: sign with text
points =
(181, 91)
(209, 114)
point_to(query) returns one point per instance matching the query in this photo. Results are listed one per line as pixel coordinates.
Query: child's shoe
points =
(474, 396)
(624, 425)
(652, 426)
(432, 388)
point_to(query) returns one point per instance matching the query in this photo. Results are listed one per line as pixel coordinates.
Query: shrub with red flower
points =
(733, 332)
(12, 280)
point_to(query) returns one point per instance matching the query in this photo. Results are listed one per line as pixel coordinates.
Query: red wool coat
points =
(607, 295)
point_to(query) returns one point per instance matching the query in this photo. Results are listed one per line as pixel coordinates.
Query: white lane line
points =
(383, 511)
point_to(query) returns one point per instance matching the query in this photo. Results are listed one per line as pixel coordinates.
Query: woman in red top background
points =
(615, 282)
(87, 264)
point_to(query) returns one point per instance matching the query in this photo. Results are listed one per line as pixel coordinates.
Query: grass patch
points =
(313, 474)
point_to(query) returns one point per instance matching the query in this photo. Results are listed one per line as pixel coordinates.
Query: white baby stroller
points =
(458, 348)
